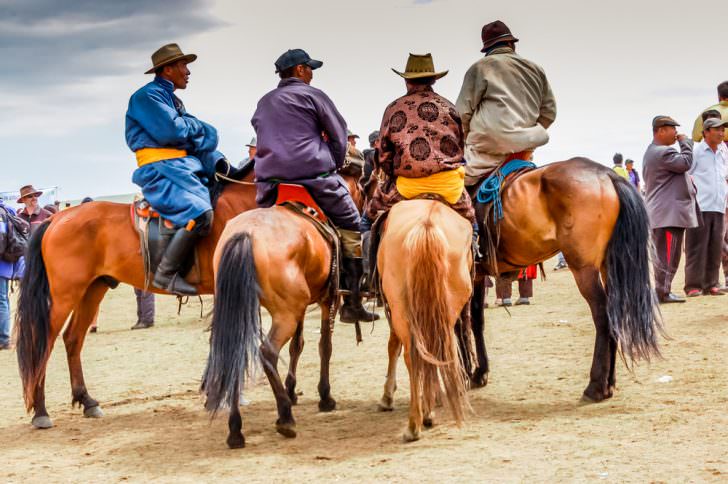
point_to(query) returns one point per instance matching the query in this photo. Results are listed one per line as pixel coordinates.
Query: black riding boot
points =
(167, 276)
(352, 310)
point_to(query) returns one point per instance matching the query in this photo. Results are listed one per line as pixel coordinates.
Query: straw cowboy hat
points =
(28, 190)
(419, 66)
(168, 54)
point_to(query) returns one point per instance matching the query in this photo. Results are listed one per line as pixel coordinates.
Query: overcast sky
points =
(68, 69)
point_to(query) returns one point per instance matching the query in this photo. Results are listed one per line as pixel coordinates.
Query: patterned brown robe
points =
(421, 135)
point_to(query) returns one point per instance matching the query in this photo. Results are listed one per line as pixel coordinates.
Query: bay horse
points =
(72, 261)
(424, 261)
(275, 258)
(600, 223)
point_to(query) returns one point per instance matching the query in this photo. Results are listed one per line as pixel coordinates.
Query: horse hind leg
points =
(394, 347)
(295, 348)
(479, 378)
(235, 439)
(281, 331)
(326, 402)
(591, 288)
(73, 337)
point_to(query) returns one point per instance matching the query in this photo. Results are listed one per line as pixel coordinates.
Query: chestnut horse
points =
(599, 222)
(70, 264)
(424, 261)
(275, 258)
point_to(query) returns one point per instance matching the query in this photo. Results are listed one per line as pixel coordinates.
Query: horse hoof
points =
(327, 405)
(385, 405)
(479, 380)
(410, 436)
(287, 430)
(427, 422)
(43, 422)
(93, 412)
(236, 441)
(587, 400)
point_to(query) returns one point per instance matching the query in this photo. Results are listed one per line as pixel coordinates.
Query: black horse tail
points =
(235, 328)
(635, 321)
(32, 319)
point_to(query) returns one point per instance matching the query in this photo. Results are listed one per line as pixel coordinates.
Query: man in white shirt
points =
(703, 244)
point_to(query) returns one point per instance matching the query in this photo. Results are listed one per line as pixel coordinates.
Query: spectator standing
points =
(370, 157)
(32, 212)
(252, 150)
(721, 108)
(703, 244)
(145, 309)
(618, 168)
(632, 175)
(670, 200)
(8, 271)
(503, 288)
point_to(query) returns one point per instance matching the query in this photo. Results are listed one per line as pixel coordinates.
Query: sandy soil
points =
(527, 424)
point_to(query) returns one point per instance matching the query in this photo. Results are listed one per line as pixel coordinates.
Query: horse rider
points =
(420, 147)
(506, 105)
(302, 139)
(176, 157)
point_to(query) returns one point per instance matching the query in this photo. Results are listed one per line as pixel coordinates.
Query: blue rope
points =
(489, 190)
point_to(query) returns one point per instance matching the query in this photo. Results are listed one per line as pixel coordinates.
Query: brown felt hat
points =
(495, 32)
(660, 121)
(168, 54)
(420, 66)
(28, 190)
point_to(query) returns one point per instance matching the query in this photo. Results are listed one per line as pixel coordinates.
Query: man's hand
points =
(681, 137)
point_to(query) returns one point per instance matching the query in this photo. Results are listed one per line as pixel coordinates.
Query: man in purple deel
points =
(302, 140)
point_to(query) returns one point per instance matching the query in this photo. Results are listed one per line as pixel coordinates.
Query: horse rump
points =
(235, 327)
(635, 321)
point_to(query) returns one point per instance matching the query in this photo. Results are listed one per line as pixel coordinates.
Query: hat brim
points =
(661, 125)
(502, 38)
(420, 75)
(721, 125)
(188, 57)
(20, 200)
(314, 64)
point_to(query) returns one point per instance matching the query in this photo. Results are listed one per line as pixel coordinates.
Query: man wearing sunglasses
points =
(32, 213)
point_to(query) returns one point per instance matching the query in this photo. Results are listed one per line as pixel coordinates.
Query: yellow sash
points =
(448, 184)
(145, 156)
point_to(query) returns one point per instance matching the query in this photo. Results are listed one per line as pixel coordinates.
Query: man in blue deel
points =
(176, 157)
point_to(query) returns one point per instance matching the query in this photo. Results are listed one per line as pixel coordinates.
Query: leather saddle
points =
(155, 233)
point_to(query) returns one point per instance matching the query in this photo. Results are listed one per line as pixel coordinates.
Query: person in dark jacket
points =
(302, 139)
(670, 200)
(8, 271)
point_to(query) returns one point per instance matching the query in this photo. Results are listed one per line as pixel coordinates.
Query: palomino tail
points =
(433, 354)
(634, 315)
(32, 320)
(235, 325)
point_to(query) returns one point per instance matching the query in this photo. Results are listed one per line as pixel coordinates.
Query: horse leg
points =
(591, 288)
(394, 347)
(281, 331)
(326, 403)
(612, 381)
(479, 377)
(236, 439)
(58, 315)
(294, 350)
(73, 337)
(415, 411)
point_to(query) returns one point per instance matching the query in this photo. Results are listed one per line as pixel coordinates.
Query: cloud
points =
(67, 41)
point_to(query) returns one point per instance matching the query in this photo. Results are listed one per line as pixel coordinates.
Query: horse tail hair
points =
(635, 321)
(32, 319)
(235, 328)
(433, 353)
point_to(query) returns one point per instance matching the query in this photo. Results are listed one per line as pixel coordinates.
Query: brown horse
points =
(275, 258)
(72, 261)
(599, 222)
(424, 260)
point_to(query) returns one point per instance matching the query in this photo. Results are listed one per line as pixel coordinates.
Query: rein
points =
(220, 176)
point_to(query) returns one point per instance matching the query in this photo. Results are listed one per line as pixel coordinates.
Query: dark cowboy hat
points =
(420, 66)
(495, 32)
(28, 190)
(168, 54)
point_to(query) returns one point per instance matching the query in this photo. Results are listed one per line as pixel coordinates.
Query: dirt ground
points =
(527, 425)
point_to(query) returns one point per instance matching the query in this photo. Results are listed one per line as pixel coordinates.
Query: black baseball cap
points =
(294, 57)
